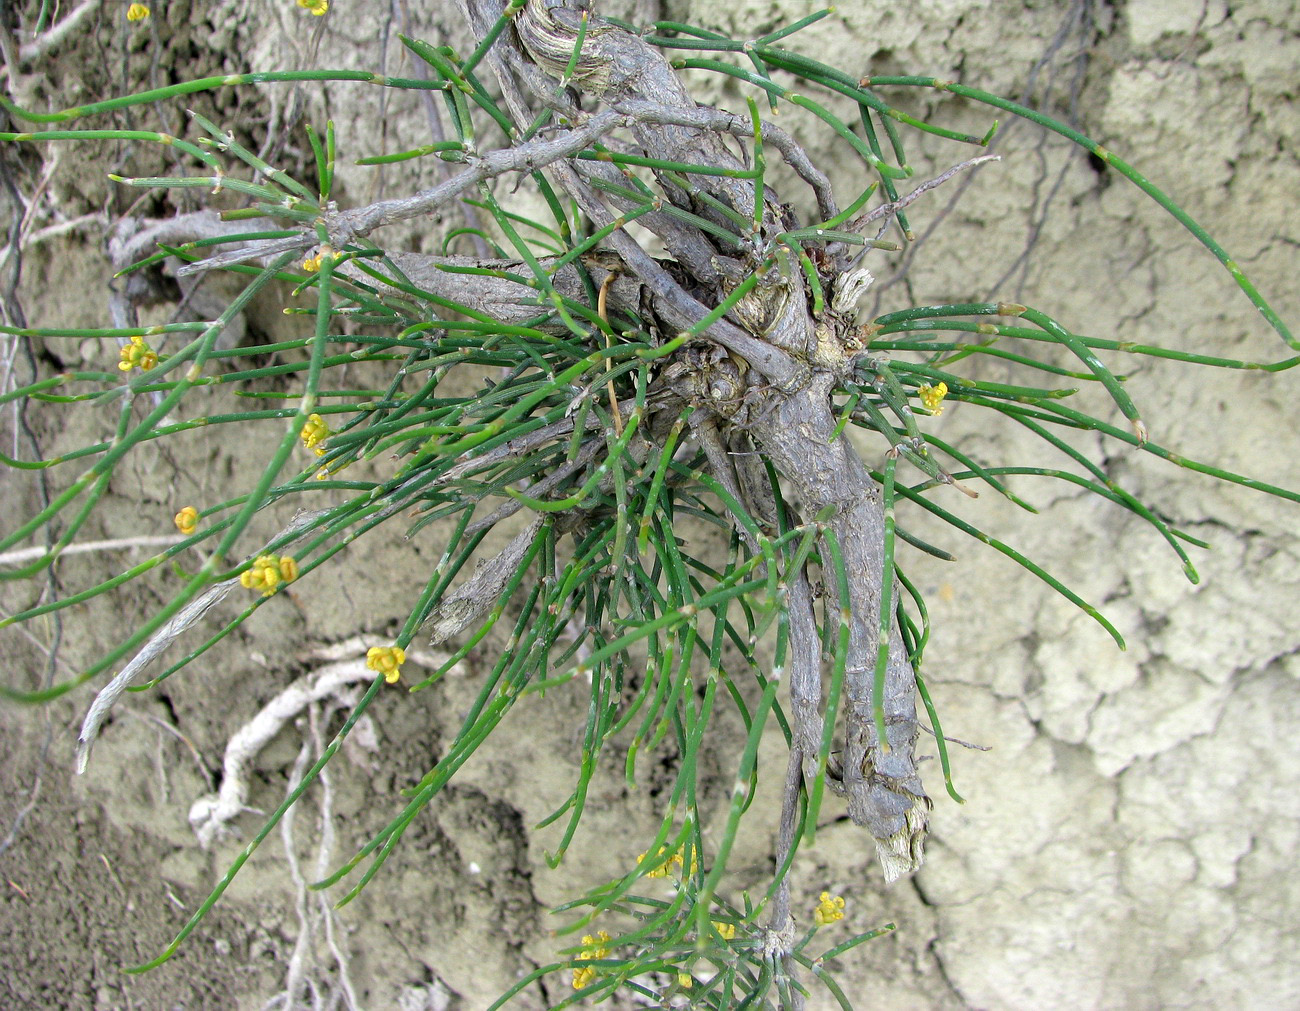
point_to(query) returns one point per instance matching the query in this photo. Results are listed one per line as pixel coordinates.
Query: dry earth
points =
(1129, 839)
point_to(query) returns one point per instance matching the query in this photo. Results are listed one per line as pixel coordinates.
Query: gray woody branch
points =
(794, 427)
(793, 352)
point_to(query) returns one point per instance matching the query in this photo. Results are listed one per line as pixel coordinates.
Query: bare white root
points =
(302, 946)
(358, 644)
(210, 814)
(314, 925)
(120, 544)
(319, 693)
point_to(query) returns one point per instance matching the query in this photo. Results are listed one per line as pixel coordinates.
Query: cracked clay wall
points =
(1126, 842)
(1129, 837)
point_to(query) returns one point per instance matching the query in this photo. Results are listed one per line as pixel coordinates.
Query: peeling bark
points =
(792, 424)
(766, 385)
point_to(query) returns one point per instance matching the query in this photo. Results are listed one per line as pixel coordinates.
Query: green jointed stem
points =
(1116, 493)
(330, 159)
(890, 390)
(441, 147)
(550, 233)
(199, 349)
(660, 472)
(600, 235)
(704, 224)
(661, 683)
(306, 407)
(463, 746)
(281, 204)
(761, 70)
(211, 83)
(162, 431)
(289, 801)
(741, 794)
(853, 942)
(977, 470)
(1017, 557)
(660, 851)
(225, 141)
(899, 442)
(105, 332)
(839, 81)
(147, 135)
(577, 498)
(1080, 420)
(919, 644)
(846, 415)
(960, 350)
(916, 323)
(744, 222)
(891, 192)
(493, 33)
(836, 124)
(802, 23)
(892, 319)
(318, 154)
(940, 742)
(467, 742)
(662, 165)
(1123, 167)
(220, 240)
(488, 105)
(1082, 352)
(443, 573)
(852, 209)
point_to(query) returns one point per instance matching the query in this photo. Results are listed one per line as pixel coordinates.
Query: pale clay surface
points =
(1129, 840)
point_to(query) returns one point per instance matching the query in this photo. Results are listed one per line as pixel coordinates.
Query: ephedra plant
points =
(566, 410)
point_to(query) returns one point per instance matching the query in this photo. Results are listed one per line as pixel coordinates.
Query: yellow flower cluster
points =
(137, 12)
(829, 909)
(137, 355)
(386, 660)
(312, 264)
(187, 520)
(317, 7)
(932, 397)
(595, 949)
(268, 572)
(674, 862)
(314, 433)
(727, 931)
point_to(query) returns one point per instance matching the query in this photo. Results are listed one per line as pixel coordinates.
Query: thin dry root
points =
(209, 815)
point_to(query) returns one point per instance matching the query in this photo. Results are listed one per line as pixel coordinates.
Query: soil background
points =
(1129, 838)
